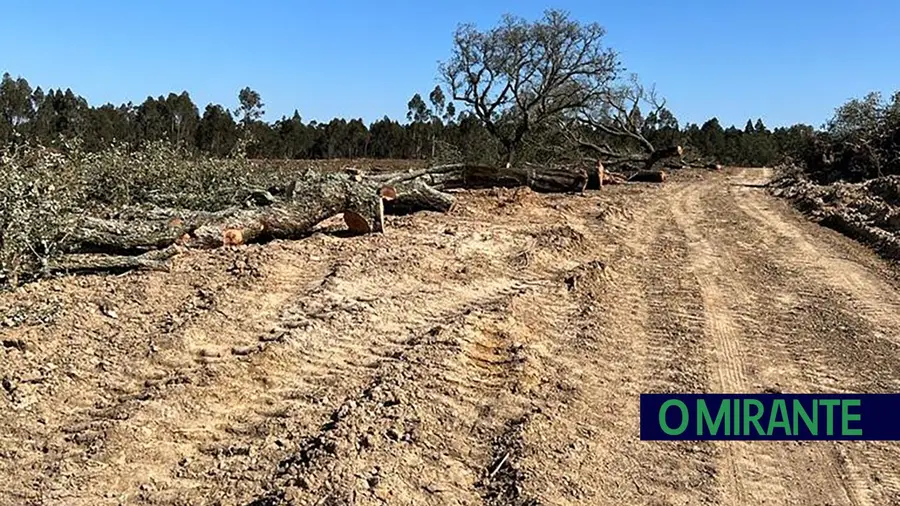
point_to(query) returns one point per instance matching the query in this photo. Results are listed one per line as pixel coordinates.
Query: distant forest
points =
(431, 129)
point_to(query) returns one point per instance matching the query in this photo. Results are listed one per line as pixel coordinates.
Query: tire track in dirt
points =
(867, 293)
(724, 335)
(676, 361)
(460, 383)
(742, 348)
(839, 307)
(626, 336)
(553, 442)
(85, 422)
(173, 427)
(570, 447)
(371, 433)
(326, 325)
(775, 369)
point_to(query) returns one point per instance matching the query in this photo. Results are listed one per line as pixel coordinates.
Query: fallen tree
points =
(563, 178)
(145, 238)
(548, 179)
(312, 198)
(293, 211)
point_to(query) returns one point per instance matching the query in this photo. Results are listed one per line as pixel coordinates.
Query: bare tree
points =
(519, 76)
(549, 79)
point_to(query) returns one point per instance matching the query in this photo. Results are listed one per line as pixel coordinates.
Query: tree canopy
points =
(519, 76)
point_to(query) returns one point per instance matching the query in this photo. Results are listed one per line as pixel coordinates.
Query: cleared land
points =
(490, 356)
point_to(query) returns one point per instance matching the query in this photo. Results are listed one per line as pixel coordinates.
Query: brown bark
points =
(473, 177)
(648, 176)
(318, 196)
(539, 179)
(662, 154)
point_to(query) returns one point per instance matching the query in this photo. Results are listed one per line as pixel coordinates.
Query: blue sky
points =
(785, 61)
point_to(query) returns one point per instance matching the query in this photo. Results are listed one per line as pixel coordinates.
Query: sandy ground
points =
(492, 356)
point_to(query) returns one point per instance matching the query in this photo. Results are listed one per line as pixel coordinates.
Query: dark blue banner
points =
(777, 417)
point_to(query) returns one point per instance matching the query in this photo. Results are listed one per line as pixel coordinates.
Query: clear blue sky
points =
(786, 61)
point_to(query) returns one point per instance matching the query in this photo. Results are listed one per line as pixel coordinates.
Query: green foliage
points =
(217, 132)
(251, 108)
(434, 129)
(162, 174)
(16, 103)
(520, 76)
(35, 196)
(755, 145)
(44, 191)
(861, 141)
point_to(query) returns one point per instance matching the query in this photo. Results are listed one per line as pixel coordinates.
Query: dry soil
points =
(490, 356)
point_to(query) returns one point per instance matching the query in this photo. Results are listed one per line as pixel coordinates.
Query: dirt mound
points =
(868, 211)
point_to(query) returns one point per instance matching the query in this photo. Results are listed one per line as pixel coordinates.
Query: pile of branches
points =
(861, 142)
(867, 211)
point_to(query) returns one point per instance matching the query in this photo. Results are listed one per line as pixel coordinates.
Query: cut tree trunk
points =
(648, 176)
(315, 197)
(662, 154)
(416, 195)
(461, 176)
(538, 178)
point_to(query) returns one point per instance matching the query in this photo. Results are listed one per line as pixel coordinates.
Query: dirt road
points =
(490, 357)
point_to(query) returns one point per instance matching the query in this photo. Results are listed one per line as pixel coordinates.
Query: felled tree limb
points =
(662, 154)
(556, 179)
(144, 238)
(416, 195)
(152, 261)
(473, 177)
(648, 176)
(318, 196)
(426, 174)
(538, 178)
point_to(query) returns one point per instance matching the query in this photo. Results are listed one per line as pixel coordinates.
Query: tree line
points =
(433, 128)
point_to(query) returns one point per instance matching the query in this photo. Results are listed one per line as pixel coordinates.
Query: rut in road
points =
(493, 356)
(716, 292)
